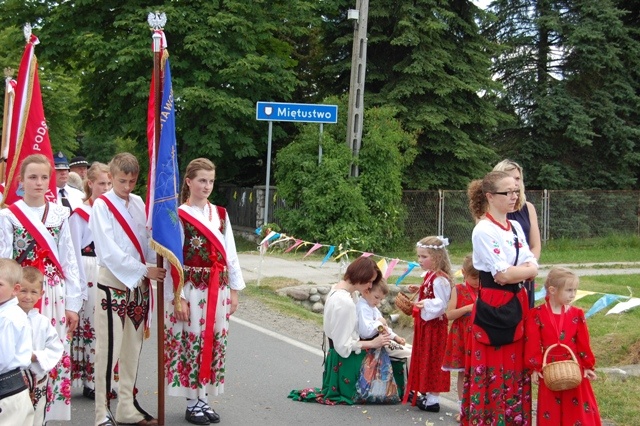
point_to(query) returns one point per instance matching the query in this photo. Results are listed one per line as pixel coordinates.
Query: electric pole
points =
(356, 86)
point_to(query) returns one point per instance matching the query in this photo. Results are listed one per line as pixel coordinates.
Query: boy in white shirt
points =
(47, 346)
(370, 318)
(15, 350)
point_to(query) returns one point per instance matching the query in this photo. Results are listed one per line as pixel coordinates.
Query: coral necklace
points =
(501, 226)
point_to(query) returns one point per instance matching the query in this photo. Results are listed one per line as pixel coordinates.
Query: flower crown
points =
(443, 240)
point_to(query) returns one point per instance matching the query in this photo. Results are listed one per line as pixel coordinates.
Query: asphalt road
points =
(262, 367)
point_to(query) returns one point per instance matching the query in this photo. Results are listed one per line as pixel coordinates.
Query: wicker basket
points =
(405, 303)
(561, 375)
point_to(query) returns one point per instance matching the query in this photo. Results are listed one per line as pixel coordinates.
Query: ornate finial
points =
(8, 73)
(27, 32)
(157, 20)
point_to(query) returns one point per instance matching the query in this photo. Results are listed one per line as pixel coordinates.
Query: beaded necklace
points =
(501, 226)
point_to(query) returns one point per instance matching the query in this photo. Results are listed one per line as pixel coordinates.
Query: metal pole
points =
(266, 190)
(157, 58)
(320, 144)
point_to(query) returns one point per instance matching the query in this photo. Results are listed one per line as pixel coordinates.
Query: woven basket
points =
(404, 303)
(561, 375)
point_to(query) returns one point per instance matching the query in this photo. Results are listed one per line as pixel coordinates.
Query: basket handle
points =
(544, 357)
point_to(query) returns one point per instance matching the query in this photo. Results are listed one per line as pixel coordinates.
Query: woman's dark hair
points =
(361, 270)
(478, 189)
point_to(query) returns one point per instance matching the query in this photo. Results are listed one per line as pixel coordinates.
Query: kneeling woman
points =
(346, 350)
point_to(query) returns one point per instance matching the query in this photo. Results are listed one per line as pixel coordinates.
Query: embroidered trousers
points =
(119, 322)
(16, 410)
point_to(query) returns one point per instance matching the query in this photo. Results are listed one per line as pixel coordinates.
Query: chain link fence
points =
(561, 214)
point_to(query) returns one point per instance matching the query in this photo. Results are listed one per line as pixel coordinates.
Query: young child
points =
(15, 349)
(370, 318)
(117, 224)
(196, 334)
(556, 321)
(84, 339)
(430, 325)
(47, 346)
(36, 232)
(463, 296)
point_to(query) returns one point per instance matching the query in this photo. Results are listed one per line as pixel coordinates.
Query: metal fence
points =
(561, 214)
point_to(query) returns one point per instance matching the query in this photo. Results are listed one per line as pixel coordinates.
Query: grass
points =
(267, 294)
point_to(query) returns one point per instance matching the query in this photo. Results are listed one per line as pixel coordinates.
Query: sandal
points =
(208, 411)
(196, 415)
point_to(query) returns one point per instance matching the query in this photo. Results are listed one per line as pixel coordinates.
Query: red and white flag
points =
(29, 132)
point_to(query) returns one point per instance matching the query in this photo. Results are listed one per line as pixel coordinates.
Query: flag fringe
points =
(173, 260)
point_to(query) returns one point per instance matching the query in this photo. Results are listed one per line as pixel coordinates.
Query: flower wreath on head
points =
(443, 240)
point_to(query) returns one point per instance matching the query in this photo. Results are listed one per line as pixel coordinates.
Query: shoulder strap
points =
(516, 243)
(125, 226)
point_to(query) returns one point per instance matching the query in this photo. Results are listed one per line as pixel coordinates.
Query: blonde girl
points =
(430, 325)
(556, 321)
(84, 339)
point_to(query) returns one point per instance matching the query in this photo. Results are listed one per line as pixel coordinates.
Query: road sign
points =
(301, 113)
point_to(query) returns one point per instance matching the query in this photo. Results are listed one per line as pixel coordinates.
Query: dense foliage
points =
(364, 213)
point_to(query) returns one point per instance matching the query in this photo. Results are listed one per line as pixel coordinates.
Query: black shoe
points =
(196, 416)
(433, 408)
(89, 393)
(209, 412)
(412, 394)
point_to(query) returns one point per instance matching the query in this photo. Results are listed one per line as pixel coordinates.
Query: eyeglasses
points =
(515, 192)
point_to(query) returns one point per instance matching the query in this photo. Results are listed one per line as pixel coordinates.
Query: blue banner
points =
(165, 223)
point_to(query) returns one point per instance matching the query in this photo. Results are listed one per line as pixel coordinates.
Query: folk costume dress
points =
(122, 309)
(53, 254)
(48, 349)
(430, 338)
(83, 347)
(543, 328)
(497, 386)
(345, 355)
(460, 331)
(195, 350)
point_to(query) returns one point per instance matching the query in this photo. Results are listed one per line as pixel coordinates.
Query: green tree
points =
(225, 56)
(569, 71)
(59, 91)
(428, 61)
(364, 213)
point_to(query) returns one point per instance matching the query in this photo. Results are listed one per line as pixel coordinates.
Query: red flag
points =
(29, 132)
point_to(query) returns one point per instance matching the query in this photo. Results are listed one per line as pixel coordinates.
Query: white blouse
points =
(340, 322)
(494, 249)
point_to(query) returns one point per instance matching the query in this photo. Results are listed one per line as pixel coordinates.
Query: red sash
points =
(213, 288)
(82, 213)
(44, 251)
(136, 243)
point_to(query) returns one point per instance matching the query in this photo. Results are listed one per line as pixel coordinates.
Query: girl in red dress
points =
(557, 322)
(463, 296)
(430, 325)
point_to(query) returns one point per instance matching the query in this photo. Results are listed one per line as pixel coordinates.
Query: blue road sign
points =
(301, 113)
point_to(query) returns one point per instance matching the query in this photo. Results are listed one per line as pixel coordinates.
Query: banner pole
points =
(157, 57)
(6, 120)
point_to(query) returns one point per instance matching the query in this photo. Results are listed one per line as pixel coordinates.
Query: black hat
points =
(78, 161)
(60, 161)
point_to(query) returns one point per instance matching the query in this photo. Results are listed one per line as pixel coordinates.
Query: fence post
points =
(440, 212)
(545, 215)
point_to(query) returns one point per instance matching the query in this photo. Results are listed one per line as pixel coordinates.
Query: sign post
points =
(300, 113)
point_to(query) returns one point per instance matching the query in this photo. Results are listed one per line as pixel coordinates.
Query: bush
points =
(364, 213)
